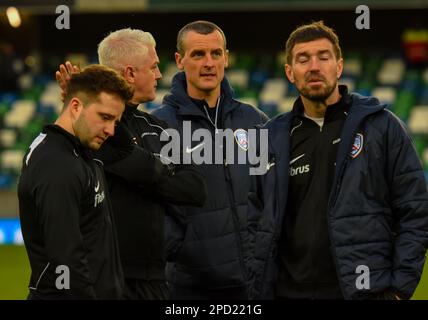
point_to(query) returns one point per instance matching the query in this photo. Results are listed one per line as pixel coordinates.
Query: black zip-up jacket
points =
(67, 220)
(141, 187)
(207, 246)
(306, 266)
(377, 213)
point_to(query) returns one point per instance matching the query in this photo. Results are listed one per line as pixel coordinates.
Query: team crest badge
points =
(357, 146)
(241, 137)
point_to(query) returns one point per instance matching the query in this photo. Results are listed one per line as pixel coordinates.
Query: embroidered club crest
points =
(241, 138)
(357, 146)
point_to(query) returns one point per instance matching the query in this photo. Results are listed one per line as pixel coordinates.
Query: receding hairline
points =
(199, 27)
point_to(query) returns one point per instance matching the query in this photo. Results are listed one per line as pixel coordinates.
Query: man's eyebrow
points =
(302, 54)
(324, 51)
(217, 50)
(110, 116)
(195, 51)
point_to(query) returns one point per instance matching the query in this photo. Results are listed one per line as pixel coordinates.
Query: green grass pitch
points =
(15, 273)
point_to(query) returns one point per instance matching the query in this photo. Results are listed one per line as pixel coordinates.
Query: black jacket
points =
(377, 212)
(140, 187)
(207, 246)
(306, 267)
(66, 219)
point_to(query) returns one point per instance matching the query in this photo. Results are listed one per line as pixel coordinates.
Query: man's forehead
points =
(313, 46)
(196, 41)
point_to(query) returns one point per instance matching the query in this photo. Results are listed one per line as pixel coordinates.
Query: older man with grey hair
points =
(140, 185)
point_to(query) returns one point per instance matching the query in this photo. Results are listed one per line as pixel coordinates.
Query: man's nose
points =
(209, 61)
(158, 74)
(314, 64)
(109, 129)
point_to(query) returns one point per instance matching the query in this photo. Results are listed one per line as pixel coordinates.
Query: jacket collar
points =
(181, 100)
(279, 140)
(73, 141)
(361, 108)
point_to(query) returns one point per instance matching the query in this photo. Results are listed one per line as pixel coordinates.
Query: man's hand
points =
(63, 76)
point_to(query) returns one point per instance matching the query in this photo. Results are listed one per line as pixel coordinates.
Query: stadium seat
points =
(12, 159)
(6, 181)
(7, 137)
(25, 81)
(391, 72)
(258, 78)
(21, 113)
(273, 91)
(51, 97)
(385, 94)
(238, 78)
(418, 121)
(349, 82)
(353, 67)
(286, 104)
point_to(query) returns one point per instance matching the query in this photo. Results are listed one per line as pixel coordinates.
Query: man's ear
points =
(179, 61)
(339, 68)
(226, 57)
(75, 107)
(289, 73)
(129, 74)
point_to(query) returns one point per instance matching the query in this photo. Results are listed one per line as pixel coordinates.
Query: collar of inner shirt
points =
(333, 110)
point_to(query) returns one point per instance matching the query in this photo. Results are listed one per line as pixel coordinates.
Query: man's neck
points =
(210, 97)
(317, 109)
(65, 124)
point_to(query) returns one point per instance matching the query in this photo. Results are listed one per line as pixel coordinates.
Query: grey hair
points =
(121, 46)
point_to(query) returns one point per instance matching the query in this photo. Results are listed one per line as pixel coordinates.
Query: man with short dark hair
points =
(208, 246)
(66, 216)
(344, 203)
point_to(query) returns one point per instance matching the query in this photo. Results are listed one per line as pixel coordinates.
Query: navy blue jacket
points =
(378, 207)
(207, 246)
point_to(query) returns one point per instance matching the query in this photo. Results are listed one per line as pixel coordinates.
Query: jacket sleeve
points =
(409, 202)
(176, 184)
(255, 212)
(138, 167)
(175, 230)
(58, 196)
(184, 185)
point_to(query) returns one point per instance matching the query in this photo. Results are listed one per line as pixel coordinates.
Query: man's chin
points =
(321, 94)
(93, 145)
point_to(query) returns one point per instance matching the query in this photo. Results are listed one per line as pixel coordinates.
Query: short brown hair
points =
(309, 32)
(94, 79)
(201, 27)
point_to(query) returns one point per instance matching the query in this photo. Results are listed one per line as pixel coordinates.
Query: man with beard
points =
(344, 203)
(64, 205)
